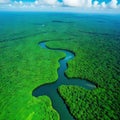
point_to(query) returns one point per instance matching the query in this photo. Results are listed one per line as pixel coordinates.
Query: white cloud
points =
(103, 5)
(21, 2)
(18, 3)
(89, 3)
(77, 4)
(4, 1)
(50, 2)
(96, 4)
(36, 5)
(46, 2)
(113, 4)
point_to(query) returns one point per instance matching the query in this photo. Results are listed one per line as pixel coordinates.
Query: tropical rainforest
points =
(24, 65)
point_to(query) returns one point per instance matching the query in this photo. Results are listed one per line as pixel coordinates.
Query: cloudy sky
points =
(61, 5)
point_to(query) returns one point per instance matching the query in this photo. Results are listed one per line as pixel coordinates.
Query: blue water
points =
(51, 89)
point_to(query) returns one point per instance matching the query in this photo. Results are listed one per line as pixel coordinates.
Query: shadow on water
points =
(51, 89)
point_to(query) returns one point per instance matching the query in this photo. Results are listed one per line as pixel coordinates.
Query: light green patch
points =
(30, 116)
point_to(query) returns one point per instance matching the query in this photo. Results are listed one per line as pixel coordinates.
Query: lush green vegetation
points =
(88, 105)
(95, 40)
(23, 67)
(97, 60)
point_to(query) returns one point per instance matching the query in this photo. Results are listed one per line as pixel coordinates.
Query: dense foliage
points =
(89, 105)
(94, 39)
(23, 67)
(97, 60)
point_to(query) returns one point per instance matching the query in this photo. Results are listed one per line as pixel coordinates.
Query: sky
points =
(101, 6)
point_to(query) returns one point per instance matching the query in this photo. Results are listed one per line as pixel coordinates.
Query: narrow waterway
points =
(51, 89)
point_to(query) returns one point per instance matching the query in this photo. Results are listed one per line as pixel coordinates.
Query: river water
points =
(51, 89)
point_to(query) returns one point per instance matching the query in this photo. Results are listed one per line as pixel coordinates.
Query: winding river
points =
(51, 89)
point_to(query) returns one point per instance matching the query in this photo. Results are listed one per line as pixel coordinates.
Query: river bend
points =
(51, 89)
